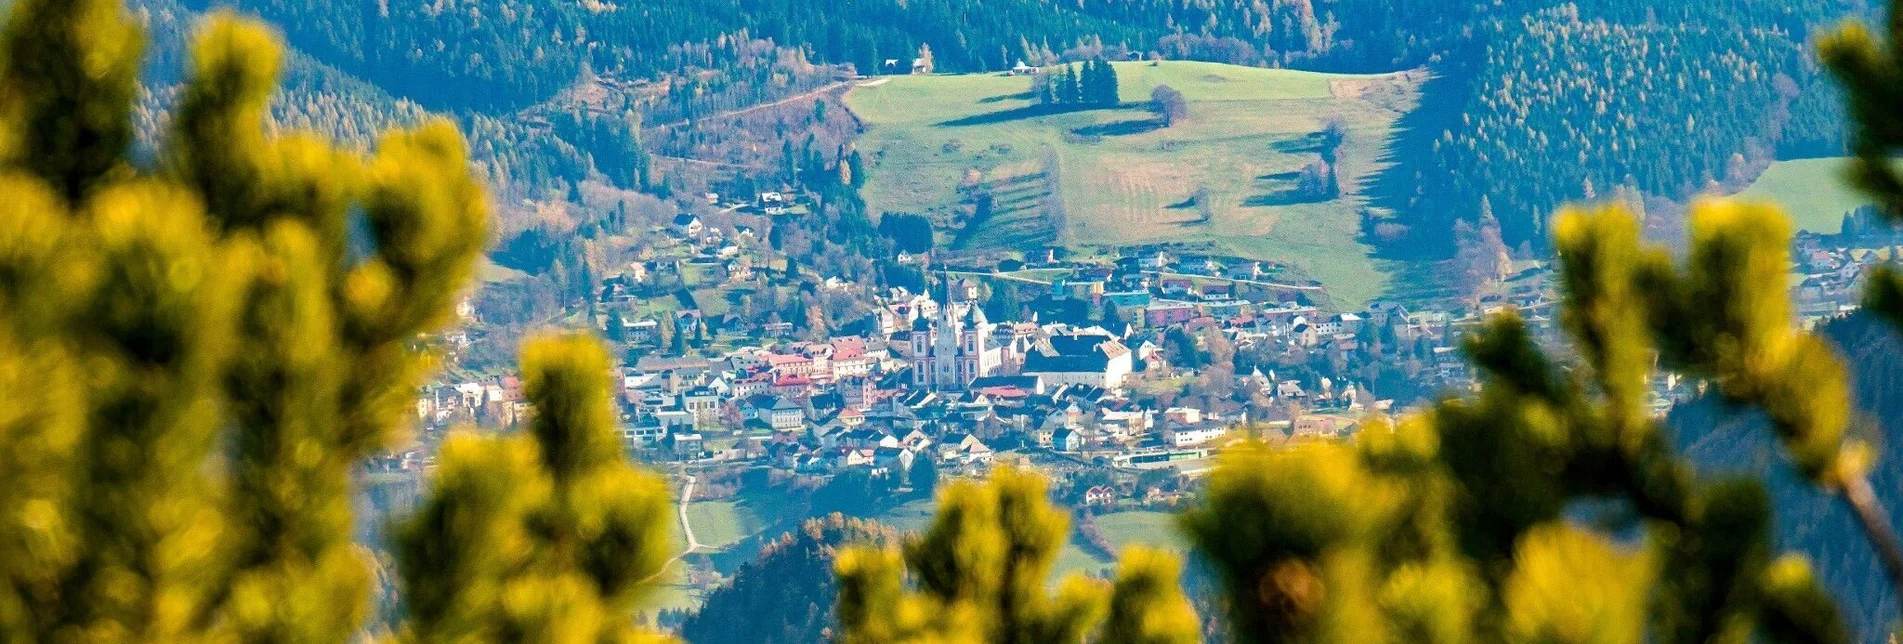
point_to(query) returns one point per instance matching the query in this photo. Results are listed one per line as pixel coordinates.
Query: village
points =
(1167, 357)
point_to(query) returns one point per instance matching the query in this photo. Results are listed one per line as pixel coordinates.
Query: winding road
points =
(687, 529)
(754, 108)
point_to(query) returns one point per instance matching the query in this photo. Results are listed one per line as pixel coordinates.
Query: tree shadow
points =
(1026, 112)
(1283, 198)
(1021, 96)
(1291, 175)
(1305, 144)
(1121, 128)
(1409, 155)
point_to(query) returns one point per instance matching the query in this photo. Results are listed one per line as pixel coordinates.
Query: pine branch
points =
(1876, 524)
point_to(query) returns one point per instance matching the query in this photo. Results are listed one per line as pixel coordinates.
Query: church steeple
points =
(975, 316)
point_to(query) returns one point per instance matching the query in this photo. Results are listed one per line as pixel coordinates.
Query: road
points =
(687, 529)
(754, 108)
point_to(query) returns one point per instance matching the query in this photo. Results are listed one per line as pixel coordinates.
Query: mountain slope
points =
(785, 597)
(1727, 441)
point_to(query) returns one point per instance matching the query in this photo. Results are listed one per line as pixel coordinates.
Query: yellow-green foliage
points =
(1453, 525)
(1871, 69)
(981, 570)
(544, 537)
(193, 356)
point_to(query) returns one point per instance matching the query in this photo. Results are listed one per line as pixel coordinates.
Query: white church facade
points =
(960, 346)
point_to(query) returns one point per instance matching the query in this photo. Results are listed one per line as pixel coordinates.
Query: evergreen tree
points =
(785, 596)
(1099, 83)
(1087, 81)
(1468, 538)
(545, 536)
(616, 329)
(1069, 90)
(1872, 73)
(981, 572)
(923, 477)
(195, 358)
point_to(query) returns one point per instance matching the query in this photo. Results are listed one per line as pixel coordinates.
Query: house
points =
(1320, 427)
(1128, 299)
(1302, 333)
(686, 444)
(846, 457)
(633, 438)
(963, 448)
(1067, 440)
(703, 403)
(645, 331)
(1163, 313)
(1290, 390)
(773, 203)
(776, 412)
(1343, 323)
(1222, 310)
(1177, 286)
(1100, 495)
(671, 419)
(891, 461)
(792, 364)
(851, 358)
(689, 225)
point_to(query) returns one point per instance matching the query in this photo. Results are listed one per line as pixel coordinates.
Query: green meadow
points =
(1120, 177)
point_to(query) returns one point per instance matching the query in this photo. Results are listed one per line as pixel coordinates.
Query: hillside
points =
(1117, 176)
(1723, 441)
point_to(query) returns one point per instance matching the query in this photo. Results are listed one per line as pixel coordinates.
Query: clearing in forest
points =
(937, 145)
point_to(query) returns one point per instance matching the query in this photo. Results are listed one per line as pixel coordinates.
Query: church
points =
(959, 347)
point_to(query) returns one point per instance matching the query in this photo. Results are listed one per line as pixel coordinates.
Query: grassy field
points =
(672, 590)
(721, 524)
(1153, 529)
(1813, 190)
(1120, 178)
(1124, 529)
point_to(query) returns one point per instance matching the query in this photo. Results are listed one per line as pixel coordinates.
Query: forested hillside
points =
(1583, 101)
(1661, 100)
(513, 53)
(1724, 441)
(787, 596)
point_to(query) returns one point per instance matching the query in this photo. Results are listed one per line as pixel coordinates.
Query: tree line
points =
(1095, 84)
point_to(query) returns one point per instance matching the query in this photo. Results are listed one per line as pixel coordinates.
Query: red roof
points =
(849, 348)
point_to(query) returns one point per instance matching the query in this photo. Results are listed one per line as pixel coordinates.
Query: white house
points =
(689, 225)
